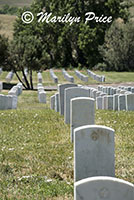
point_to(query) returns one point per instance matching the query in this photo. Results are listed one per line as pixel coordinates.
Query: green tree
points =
(118, 48)
(3, 50)
(76, 44)
(26, 52)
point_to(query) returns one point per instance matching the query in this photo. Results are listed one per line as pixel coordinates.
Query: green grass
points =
(36, 159)
(34, 143)
(111, 78)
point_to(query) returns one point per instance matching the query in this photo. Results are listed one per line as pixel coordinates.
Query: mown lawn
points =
(36, 159)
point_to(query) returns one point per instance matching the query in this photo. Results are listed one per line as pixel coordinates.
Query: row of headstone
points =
(39, 76)
(41, 93)
(88, 146)
(53, 76)
(9, 76)
(94, 165)
(95, 76)
(1, 86)
(74, 103)
(16, 90)
(67, 76)
(116, 90)
(93, 144)
(81, 76)
(0, 70)
(121, 98)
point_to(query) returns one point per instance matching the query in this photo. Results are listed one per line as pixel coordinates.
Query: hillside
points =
(7, 25)
(18, 3)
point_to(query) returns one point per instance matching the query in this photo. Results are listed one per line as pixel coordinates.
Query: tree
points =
(118, 48)
(3, 50)
(76, 44)
(26, 52)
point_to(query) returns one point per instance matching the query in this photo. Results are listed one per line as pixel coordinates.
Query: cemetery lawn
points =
(36, 159)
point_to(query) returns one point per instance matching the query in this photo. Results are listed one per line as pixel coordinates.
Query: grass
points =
(6, 24)
(36, 159)
(31, 144)
(111, 78)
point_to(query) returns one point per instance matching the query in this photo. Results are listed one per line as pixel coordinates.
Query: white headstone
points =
(104, 102)
(10, 99)
(61, 89)
(14, 102)
(42, 97)
(57, 102)
(71, 93)
(99, 101)
(2, 102)
(110, 102)
(52, 102)
(115, 102)
(122, 102)
(130, 102)
(103, 188)
(93, 152)
(82, 112)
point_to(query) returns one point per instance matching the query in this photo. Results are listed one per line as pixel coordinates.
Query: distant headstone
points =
(99, 101)
(93, 152)
(53, 76)
(104, 102)
(61, 90)
(67, 76)
(82, 112)
(130, 102)
(10, 99)
(109, 102)
(2, 102)
(81, 76)
(57, 102)
(52, 102)
(42, 97)
(115, 102)
(103, 188)
(14, 102)
(122, 102)
(9, 76)
(39, 76)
